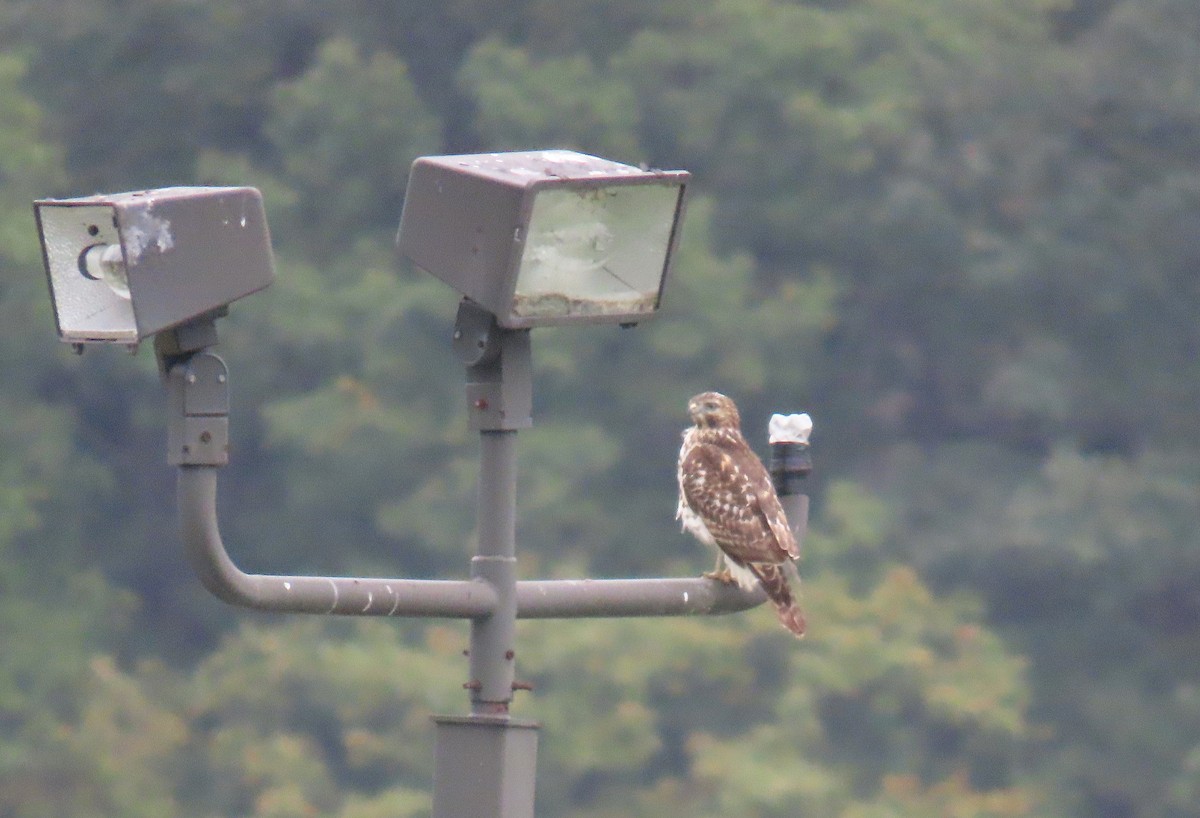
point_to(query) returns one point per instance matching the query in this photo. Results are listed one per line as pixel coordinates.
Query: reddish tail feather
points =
(775, 582)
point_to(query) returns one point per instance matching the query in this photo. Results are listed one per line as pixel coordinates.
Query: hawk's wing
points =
(772, 510)
(731, 492)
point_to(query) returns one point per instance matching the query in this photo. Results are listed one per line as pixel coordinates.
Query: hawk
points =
(727, 500)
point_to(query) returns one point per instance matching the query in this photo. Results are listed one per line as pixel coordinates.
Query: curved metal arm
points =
(463, 599)
(353, 596)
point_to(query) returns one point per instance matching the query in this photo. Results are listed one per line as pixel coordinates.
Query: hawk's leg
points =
(720, 572)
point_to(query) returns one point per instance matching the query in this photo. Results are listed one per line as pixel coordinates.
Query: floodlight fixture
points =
(125, 266)
(547, 237)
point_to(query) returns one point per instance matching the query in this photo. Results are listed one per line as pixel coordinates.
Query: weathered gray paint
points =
(187, 251)
(369, 596)
(347, 596)
(465, 219)
(461, 599)
(484, 767)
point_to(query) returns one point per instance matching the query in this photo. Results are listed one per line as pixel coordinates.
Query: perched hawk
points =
(726, 500)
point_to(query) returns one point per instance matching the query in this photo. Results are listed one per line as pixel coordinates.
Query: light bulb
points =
(105, 262)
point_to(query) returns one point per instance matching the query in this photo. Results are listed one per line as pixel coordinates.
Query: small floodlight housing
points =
(544, 237)
(125, 266)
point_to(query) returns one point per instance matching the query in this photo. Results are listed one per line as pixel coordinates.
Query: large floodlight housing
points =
(125, 266)
(544, 237)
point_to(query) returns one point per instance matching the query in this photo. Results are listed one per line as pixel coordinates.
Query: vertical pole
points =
(492, 649)
(485, 764)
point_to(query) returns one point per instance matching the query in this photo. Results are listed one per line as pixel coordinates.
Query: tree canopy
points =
(962, 235)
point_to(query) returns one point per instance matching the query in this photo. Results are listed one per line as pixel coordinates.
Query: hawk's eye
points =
(710, 406)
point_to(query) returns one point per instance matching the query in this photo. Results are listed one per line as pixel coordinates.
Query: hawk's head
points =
(712, 410)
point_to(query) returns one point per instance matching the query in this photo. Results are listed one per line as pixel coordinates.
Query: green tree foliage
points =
(961, 233)
(522, 101)
(153, 82)
(639, 718)
(54, 609)
(346, 132)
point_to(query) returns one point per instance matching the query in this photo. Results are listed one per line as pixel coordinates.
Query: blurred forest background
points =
(963, 234)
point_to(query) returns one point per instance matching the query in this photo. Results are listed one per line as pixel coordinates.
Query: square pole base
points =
(484, 767)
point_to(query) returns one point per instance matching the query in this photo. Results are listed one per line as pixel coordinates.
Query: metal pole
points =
(499, 397)
(485, 764)
(492, 649)
(348, 596)
(461, 599)
(197, 385)
(675, 596)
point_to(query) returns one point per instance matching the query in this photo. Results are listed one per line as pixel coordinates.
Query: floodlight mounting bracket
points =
(197, 385)
(176, 344)
(186, 350)
(499, 370)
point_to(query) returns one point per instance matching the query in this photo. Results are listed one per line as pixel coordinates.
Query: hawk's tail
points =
(775, 582)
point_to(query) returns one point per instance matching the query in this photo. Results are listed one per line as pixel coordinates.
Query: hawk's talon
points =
(723, 576)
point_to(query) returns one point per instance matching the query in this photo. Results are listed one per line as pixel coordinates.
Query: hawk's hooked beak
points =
(704, 408)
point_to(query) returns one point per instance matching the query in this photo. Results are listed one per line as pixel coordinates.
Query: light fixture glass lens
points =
(105, 262)
(595, 251)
